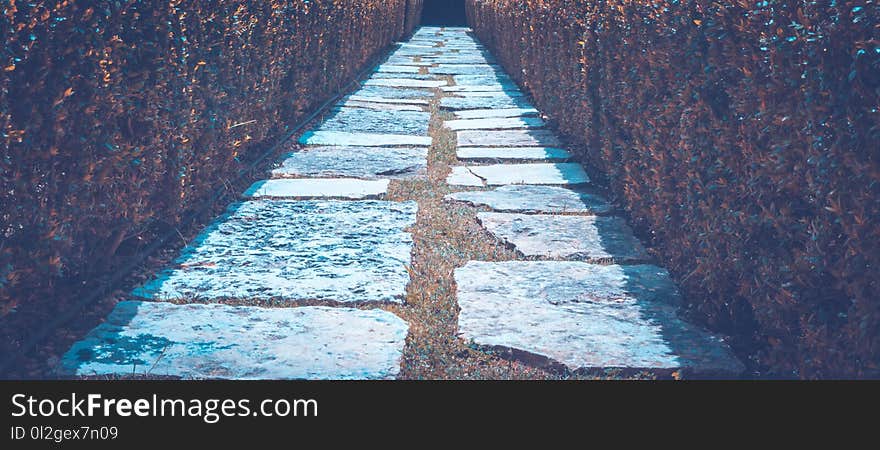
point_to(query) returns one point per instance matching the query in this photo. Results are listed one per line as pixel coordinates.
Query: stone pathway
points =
(583, 295)
(319, 241)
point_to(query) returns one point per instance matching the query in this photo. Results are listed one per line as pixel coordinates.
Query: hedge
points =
(742, 138)
(119, 117)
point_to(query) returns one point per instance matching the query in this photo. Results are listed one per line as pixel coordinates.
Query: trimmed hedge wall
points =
(119, 116)
(743, 138)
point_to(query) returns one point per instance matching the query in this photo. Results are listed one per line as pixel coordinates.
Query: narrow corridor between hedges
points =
(431, 225)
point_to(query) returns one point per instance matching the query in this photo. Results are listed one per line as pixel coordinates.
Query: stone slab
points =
(491, 102)
(512, 153)
(310, 188)
(406, 61)
(397, 101)
(491, 113)
(405, 82)
(500, 123)
(412, 76)
(380, 106)
(344, 251)
(453, 58)
(357, 162)
(553, 174)
(465, 69)
(462, 176)
(417, 51)
(360, 120)
(361, 139)
(584, 316)
(534, 199)
(507, 93)
(199, 341)
(493, 87)
(415, 45)
(390, 68)
(394, 92)
(585, 238)
(507, 138)
(476, 80)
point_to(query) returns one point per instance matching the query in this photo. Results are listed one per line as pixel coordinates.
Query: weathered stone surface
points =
(414, 51)
(307, 188)
(584, 316)
(417, 46)
(534, 199)
(359, 120)
(405, 82)
(494, 123)
(492, 102)
(494, 87)
(398, 101)
(465, 69)
(507, 138)
(512, 153)
(357, 162)
(490, 113)
(454, 58)
(558, 174)
(200, 341)
(406, 61)
(462, 176)
(332, 250)
(501, 94)
(394, 92)
(361, 139)
(475, 80)
(588, 238)
(412, 76)
(397, 69)
(380, 106)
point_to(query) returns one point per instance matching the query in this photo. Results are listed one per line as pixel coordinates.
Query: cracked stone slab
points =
(461, 176)
(492, 113)
(494, 123)
(465, 69)
(554, 174)
(491, 102)
(399, 101)
(357, 162)
(361, 120)
(343, 251)
(587, 238)
(199, 341)
(380, 106)
(343, 138)
(512, 153)
(507, 138)
(584, 316)
(520, 198)
(309, 188)
(405, 82)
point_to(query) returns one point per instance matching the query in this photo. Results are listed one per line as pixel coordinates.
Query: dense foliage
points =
(744, 135)
(119, 116)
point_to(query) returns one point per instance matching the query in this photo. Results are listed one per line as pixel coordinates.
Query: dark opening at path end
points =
(444, 12)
